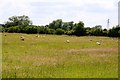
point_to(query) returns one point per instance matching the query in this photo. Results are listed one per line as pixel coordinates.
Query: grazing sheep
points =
(98, 43)
(22, 38)
(68, 41)
(37, 35)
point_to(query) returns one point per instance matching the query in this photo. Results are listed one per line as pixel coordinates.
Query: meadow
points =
(50, 56)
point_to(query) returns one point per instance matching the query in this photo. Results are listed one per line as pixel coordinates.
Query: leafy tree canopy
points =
(22, 21)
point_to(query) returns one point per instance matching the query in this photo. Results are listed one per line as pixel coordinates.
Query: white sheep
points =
(98, 43)
(68, 41)
(37, 35)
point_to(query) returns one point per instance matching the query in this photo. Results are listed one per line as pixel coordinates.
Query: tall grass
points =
(0, 55)
(50, 56)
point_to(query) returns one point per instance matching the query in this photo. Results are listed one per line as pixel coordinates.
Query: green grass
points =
(50, 56)
(0, 55)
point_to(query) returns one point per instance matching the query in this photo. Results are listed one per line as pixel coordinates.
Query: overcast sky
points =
(42, 12)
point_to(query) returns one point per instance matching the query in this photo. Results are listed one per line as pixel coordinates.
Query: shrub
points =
(59, 31)
(31, 29)
(2, 29)
(114, 32)
(50, 31)
(13, 29)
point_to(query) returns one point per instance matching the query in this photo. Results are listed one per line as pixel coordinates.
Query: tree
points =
(67, 26)
(30, 30)
(98, 26)
(13, 29)
(71, 32)
(49, 31)
(79, 29)
(2, 29)
(71, 24)
(88, 31)
(114, 32)
(96, 31)
(59, 31)
(104, 32)
(56, 24)
(22, 21)
(42, 29)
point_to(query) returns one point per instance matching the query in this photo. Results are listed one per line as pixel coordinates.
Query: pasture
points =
(50, 56)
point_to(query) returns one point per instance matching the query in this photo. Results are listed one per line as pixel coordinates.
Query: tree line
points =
(23, 24)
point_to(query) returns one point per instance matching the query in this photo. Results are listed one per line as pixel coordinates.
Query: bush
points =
(59, 31)
(71, 32)
(2, 29)
(13, 29)
(31, 29)
(96, 32)
(105, 33)
(50, 31)
(79, 29)
(114, 32)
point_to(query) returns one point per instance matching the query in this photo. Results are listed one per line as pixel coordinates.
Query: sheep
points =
(22, 38)
(37, 35)
(98, 43)
(68, 41)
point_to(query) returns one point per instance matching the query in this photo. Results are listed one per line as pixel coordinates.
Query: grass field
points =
(50, 56)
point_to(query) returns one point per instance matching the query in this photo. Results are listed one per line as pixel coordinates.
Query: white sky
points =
(42, 12)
